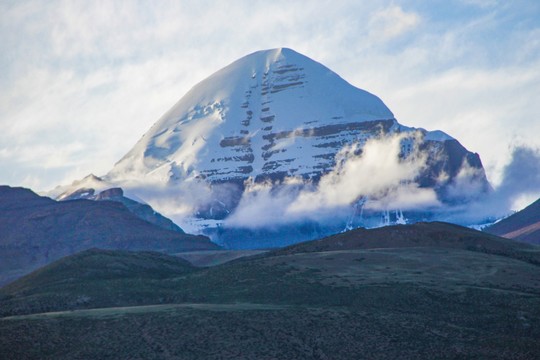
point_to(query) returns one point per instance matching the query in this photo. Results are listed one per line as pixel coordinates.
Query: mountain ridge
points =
(37, 230)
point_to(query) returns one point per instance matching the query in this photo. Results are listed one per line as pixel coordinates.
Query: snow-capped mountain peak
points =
(276, 137)
(274, 109)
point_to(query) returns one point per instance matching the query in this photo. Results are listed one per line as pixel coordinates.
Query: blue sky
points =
(82, 81)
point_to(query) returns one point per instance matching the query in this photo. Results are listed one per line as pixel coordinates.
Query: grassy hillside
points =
(433, 234)
(424, 301)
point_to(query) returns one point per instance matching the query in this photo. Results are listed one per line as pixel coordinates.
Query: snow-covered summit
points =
(273, 110)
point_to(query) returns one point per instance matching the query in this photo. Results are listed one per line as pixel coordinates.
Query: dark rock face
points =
(448, 159)
(523, 225)
(143, 211)
(36, 230)
(110, 193)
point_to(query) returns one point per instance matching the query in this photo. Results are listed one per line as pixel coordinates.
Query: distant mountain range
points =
(36, 230)
(279, 126)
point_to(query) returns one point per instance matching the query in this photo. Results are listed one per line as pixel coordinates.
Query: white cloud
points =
(378, 174)
(404, 197)
(393, 22)
(377, 169)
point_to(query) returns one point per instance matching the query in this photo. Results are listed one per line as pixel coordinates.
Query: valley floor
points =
(262, 331)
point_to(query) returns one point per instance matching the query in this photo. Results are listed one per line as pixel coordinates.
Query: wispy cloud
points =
(392, 22)
(520, 183)
(519, 186)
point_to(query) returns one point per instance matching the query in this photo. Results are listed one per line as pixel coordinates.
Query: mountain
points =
(242, 121)
(524, 225)
(36, 230)
(277, 122)
(269, 115)
(143, 211)
(430, 290)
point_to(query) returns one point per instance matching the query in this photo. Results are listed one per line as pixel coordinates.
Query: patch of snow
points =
(438, 135)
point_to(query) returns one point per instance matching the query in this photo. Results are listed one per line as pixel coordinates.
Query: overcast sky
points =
(81, 81)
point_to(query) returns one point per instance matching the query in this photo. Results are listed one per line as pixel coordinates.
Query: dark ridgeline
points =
(35, 231)
(522, 226)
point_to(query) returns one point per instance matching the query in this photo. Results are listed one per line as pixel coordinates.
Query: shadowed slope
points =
(523, 225)
(95, 278)
(435, 234)
(35, 231)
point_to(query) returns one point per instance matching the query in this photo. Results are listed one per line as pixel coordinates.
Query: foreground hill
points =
(523, 225)
(36, 230)
(432, 300)
(434, 234)
(98, 278)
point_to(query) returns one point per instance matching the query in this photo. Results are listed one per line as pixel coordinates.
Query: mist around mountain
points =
(430, 290)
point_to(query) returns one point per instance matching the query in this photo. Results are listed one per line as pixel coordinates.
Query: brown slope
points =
(35, 231)
(523, 225)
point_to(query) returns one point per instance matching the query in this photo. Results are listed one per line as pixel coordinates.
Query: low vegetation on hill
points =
(329, 299)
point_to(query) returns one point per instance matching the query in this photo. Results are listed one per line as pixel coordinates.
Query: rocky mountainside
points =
(270, 115)
(279, 121)
(36, 230)
(143, 211)
(523, 225)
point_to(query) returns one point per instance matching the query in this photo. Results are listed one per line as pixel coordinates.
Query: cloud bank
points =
(379, 180)
(519, 187)
(375, 172)
(374, 177)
